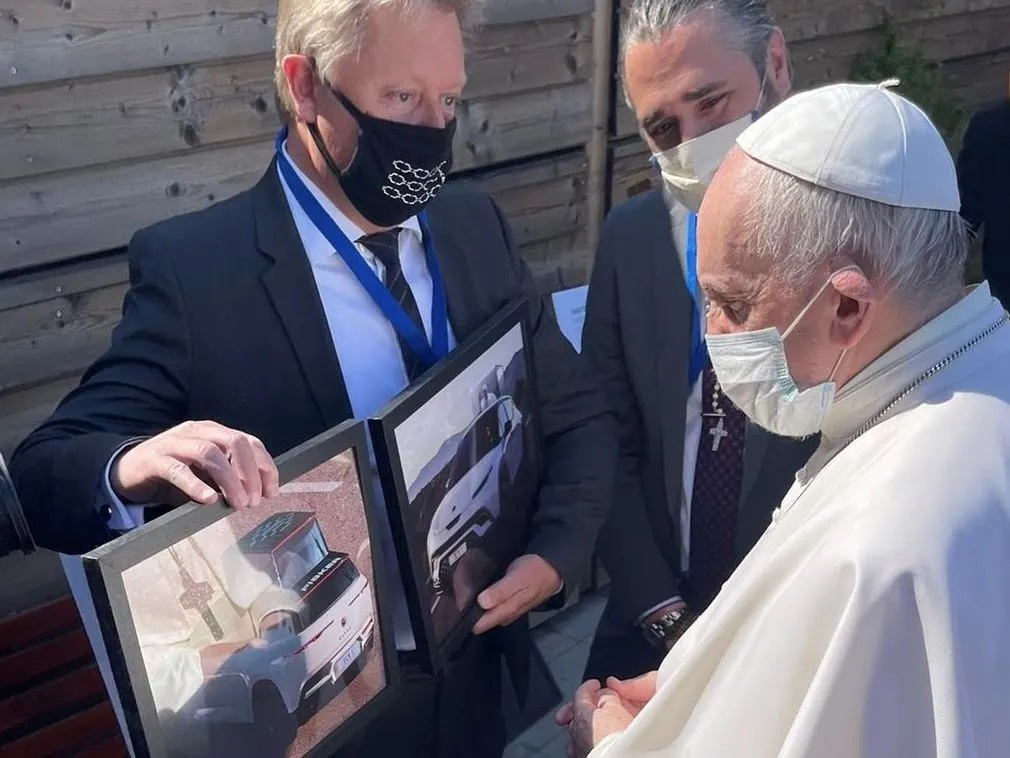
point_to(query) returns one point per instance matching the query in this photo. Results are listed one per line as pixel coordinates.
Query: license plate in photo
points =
(345, 661)
(456, 554)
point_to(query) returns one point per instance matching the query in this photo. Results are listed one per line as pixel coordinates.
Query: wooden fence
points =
(114, 115)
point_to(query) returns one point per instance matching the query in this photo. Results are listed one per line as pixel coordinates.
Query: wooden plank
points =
(525, 125)
(530, 56)
(631, 172)
(67, 280)
(520, 11)
(89, 122)
(52, 697)
(822, 60)
(87, 728)
(64, 39)
(61, 217)
(57, 339)
(809, 19)
(111, 747)
(43, 658)
(75, 124)
(26, 628)
(21, 412)
(57, 217)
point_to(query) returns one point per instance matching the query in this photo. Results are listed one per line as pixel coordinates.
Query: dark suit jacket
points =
(223, 321)
(983, 169)
(637, 337)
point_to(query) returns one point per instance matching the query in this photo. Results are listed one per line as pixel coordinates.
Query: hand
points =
(529, 581)
(182, 464)
(594, 714)
(634, 693)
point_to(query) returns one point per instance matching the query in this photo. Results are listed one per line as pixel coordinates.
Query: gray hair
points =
(327, 31)
(915, 254)
(750, 23)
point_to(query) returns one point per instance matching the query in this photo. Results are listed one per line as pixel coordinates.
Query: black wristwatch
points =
(667, 627)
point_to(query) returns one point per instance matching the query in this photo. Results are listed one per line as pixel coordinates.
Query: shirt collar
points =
(350, 229)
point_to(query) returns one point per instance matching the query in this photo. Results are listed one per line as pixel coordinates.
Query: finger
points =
(243, 459)
(211, 459)
(500, 592)
(586, 693)
(564, 715)
(639, 690)
(267, 468)
(180, 476)
(238, 451)
(501, 615)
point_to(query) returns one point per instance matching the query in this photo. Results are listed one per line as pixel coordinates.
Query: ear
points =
(854, 308)
(779, 67)
(302, 83)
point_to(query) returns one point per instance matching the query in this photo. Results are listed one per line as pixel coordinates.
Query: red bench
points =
(52, 698)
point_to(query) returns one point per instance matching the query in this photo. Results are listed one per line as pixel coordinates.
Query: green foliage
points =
(921, 81)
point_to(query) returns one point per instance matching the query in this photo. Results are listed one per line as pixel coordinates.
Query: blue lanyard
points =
(412, 334)
(699, 354)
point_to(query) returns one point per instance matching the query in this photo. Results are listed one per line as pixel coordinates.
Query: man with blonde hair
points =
(872, 617)
(316, 297)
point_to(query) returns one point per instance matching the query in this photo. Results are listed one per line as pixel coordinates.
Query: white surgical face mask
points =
(688, 168)
(753, 372)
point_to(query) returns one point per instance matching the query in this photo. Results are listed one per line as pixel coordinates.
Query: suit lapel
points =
(454, 278)
(292, 289)
(752, 513)
(672, 309)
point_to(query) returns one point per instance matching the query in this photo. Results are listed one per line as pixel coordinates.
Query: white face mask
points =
(688, 168)
(753, 372)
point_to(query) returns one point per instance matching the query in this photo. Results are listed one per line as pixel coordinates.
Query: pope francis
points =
(873, 617)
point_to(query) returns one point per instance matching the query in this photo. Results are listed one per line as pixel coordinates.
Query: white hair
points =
(748, 23)
(915, 254)
(327, 31)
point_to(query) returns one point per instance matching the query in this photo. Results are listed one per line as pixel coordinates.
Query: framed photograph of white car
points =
(459, 458)
(257, 632)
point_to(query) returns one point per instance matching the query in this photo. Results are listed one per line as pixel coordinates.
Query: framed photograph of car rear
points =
(256, 632)
(459, 456)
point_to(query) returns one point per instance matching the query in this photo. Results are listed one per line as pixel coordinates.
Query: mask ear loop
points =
(810, 305)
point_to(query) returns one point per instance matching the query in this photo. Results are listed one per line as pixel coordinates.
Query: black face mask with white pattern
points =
(397, 168)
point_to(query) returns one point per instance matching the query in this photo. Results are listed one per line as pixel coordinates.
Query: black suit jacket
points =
(637, 337)
(983, 169)
(223, 321)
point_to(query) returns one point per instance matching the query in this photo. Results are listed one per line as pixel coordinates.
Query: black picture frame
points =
(106, 566)
(437, 642)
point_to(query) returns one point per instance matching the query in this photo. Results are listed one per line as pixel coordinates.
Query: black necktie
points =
(386, 247)
(718, 477)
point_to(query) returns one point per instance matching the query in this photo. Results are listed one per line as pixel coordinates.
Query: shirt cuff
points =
(604, 748)
(123, 518)
(657, 606)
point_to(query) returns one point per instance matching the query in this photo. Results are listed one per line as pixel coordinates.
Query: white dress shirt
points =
(366, 344)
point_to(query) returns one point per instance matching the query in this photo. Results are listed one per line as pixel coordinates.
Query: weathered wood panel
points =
(59, 217)
(630, 170)
(824, 40)
(69, 39)
(79, 123)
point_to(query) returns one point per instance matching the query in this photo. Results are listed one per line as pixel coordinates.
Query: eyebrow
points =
(692, 96)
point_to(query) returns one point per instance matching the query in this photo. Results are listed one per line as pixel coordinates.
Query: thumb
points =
(499, 592)
(637, 690)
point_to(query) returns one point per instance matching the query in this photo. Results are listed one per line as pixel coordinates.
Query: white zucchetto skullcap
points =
(858, 139)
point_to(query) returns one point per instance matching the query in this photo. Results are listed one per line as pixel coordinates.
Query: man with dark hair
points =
(696, 483)
(983, 171)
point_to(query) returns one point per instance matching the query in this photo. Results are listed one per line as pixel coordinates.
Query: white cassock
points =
(872, 619)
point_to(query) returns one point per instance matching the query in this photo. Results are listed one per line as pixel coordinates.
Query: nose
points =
(436, 115)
